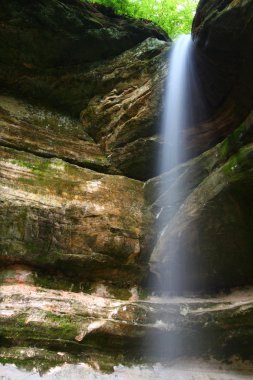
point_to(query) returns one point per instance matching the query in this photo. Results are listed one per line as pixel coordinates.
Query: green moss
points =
(101, 159)
(233, 142)
(24, 164)
(21, 221)
(239, 162)
(46, 327)
(37, 166)
(26, 181)
(232, 165)
(120, 293)
(60, 282)
(66, 325)
(143, 293)
(29, 358)
(42, 360)
(57, 186)
(32, 247)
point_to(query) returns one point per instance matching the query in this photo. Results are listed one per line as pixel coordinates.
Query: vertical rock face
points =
(125, 120)
(223, 32)
(206, 243)
(68, 219)
(71, 219)
(79, 57)
(71, 25)
(111, 70)
(49, 61)
(48, 134)
(207, 227)
(56, 215)
(207, 236)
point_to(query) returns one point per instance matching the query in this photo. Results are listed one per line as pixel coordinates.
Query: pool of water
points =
(176, 371)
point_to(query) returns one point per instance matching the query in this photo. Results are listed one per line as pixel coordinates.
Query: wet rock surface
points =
(54, 214)
(176, 371)
(206, 239)
(112, 70)
(79, 115)
(222, 32)
(83, 57)
(109, 331)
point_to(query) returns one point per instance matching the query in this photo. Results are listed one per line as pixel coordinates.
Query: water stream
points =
(176, 371)
(176, 104)
(178, 112)
(176, 115)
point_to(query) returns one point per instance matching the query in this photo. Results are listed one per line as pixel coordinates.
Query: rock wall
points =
(207, 231)
(69, 219)
(207, 236)
(64, 58)
(80, 103)
(222, 32)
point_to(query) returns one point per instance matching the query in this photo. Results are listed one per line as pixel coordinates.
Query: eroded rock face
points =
(50, 60)
(125, 120)
(129, 129)
(206, 241)
(112, 70)
(113, 330)
(66, 229)
(48, 134)
(223, 32)
(60, 216)
(71, 25)
(65, 58)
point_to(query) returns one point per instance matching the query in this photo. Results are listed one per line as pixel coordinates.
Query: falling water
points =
(176, 111)
(176, 116)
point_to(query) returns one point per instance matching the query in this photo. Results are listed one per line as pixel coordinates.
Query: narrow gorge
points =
(84, 196)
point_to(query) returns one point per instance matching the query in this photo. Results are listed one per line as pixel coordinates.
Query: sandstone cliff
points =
(80, 104)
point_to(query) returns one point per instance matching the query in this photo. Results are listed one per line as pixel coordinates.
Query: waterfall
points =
(176, 110)
(177, 116)
(175, 119)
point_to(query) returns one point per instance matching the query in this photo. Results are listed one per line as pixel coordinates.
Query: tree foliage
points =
(174, 16)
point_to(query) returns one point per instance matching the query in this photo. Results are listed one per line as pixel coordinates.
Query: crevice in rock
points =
(90, 166)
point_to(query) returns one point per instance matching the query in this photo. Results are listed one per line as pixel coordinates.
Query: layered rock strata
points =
(55, 215)
(48, 134)
(76, 232)
(106, 330)
(113, 70)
